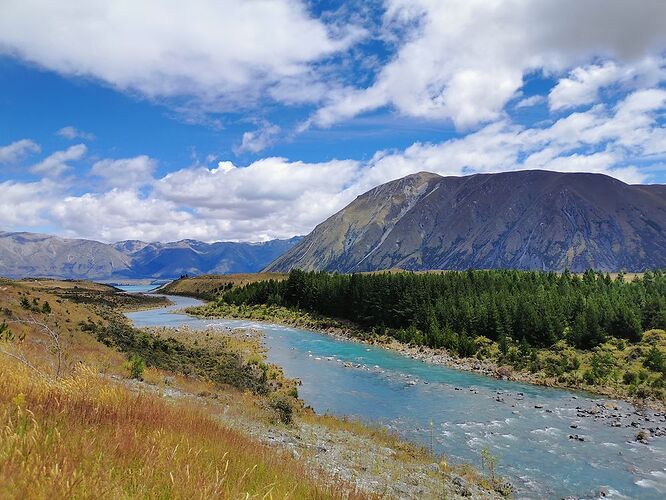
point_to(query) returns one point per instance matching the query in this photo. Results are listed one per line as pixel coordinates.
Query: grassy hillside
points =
(90, 407)
(83, 436)
(82, 431)
(97, 295)
(209, 285)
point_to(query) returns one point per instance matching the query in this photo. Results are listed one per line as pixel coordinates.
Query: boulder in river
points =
(643, 436)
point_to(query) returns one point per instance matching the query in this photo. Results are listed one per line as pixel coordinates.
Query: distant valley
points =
(32, 254)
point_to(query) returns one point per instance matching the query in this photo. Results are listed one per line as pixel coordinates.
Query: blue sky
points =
(228, 120)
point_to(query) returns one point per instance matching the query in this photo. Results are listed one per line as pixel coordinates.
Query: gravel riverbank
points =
(389, 470)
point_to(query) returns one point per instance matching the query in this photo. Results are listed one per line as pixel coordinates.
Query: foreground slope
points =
(78, 420)
(523, 220)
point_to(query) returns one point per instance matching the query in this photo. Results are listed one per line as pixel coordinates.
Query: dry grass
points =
(65, 317)
(405, 450)
(86, 437)
(627, 276)
(51, 284)
(209, 285)
(245, 343)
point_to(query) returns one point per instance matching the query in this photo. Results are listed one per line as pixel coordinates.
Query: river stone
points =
(433, 467)
(461, 487)
(643, 436)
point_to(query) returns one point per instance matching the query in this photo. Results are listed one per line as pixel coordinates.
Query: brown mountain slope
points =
(523, 220)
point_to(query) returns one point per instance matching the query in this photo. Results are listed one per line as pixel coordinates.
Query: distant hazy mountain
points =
(521, 220)
(168, 260)
(30, 254)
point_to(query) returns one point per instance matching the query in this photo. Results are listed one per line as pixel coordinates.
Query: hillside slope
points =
(523, 220)
(79, 422)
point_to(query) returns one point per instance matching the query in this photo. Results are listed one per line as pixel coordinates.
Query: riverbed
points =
(550, 443)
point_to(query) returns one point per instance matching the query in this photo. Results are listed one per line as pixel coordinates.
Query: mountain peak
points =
(530, 219)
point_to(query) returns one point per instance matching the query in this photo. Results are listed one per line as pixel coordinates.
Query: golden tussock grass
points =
(83, 436)
(405, 450)
(51, 284)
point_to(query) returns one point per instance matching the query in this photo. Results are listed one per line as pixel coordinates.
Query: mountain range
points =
(31, 254)
(522, 220)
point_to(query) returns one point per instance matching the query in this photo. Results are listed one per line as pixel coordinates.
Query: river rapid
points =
(550, 443)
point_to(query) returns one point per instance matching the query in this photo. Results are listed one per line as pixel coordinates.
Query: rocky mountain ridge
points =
(521, 220)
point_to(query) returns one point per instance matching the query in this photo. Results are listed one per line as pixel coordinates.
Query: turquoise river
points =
(529, 428)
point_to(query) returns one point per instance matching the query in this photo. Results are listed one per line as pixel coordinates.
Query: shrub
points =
(602, 364)
(654, 336)
(483, 346)
(589, 377)
(5, 332)
(282, 407)
(629, 378)
(655, 359)
(136, 365)
(466, 346)
(659, 382)
(574, 362)
(489, 462)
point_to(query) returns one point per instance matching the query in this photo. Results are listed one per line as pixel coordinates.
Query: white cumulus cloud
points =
(276, 198)
(71, 133)
(463, 60)
(17, 150)
(222, 51)
(259, 139)
(57, 163)
(530, 101)
(125, 172)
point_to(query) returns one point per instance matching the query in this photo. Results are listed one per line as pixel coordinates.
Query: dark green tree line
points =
(450, 309)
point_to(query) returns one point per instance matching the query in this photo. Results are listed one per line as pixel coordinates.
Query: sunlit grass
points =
(85, 437)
